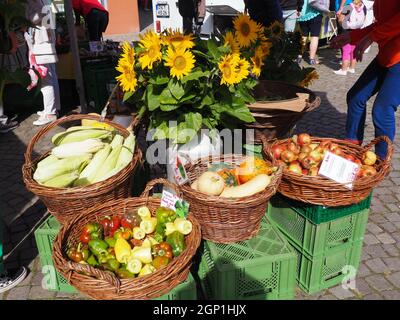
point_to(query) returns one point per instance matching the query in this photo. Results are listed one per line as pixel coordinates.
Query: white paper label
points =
(173, 202)
(180, 171)
(339, 169)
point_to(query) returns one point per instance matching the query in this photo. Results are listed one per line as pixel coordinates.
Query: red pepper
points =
(114, 225)
(106, 223)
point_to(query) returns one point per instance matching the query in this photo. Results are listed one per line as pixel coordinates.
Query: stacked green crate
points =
(326, 251)
(262, 268)
(53, 281)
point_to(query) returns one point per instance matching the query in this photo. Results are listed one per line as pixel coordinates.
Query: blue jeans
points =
(290, 19)
(385, 82)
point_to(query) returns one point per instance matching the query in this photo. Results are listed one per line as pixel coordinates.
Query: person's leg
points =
(315, 26)
(346, 57)
(366, 86)
(304, 27)
(103, 23)
(385, 107)
(290, 19)
(92, 21)
(2, 270)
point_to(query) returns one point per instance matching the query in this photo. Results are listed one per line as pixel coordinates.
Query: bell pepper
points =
(164, 215)
(91, 227)
(147, 269)
(110, 241)
(143, 254)
(78, 254)
(123, 234)
(91, 231)
(183, 226)
(148, 225)
(138, 233)
(134, 265)
(111, 264)
(160, 261)
(163, 250)
(177, 241)
(122, 273)
(122, 250)
(144, 213)
(130, 220)
(98, 247)
(170, 228)
(92, 261)
(103, 258)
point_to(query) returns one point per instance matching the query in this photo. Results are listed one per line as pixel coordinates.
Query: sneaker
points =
(314, 62)
(299, 59)
(12, 278)
(45, 119)
(352, 70)
(341, 72)
(6, 119)
(6, 127)
(40, 113)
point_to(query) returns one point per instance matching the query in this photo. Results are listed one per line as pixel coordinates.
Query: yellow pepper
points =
(147, 269)
(134, 265)
(144, 212)
(122, 250)
(143, 254)
(138, 233)
(148, 225)
(170, 228)
(183, 226)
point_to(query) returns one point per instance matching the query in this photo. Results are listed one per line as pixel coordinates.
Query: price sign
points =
(173, 202)
(339, 169)
(162, 10)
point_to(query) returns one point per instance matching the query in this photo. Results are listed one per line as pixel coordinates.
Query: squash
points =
(195, 185)
(230, 177)
(252, 167)
(211, 183)
(255, 185)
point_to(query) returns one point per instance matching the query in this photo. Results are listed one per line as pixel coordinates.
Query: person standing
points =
(291, 10)
(264, 12)
(310, 24)
(41, 42)
(381, 77)
(95, 15)
(369, 19)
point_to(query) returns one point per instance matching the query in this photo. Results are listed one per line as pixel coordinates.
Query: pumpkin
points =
(230, 177)
(252, 167)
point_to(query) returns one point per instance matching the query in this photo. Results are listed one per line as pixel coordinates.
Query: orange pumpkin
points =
(252, 167)
(230, 177)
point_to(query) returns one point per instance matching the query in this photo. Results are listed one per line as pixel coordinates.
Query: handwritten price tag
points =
(173, 202)
(180, 171)
(339, 169)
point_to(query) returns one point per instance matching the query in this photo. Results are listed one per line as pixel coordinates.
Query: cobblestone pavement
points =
(379, 272)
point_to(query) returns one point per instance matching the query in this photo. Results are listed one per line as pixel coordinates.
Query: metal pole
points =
(80, 87)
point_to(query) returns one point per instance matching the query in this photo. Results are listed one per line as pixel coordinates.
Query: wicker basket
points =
(104, 285)
(226, 220)
(65, 203)
(322, 191)
(277, 123)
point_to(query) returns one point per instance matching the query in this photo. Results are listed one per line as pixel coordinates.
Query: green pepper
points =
(103, 258)
(85, 254)
(124, 274)
(164, 215)
(111, 264)
(92, 261)
(111, 241)
(177, 241)
(96, 235)
(98, 247)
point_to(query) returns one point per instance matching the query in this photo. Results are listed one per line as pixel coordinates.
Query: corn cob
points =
(81, 135)
(117, 141)
(126, 154)
(61, 167)
(108, 165)
(47, 161)
(63, 181)
(75, 149)
(130, 142)
(87, 176)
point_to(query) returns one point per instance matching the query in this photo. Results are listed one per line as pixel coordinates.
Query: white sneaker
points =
(12, 279)
(40, 113)
(341, 72)
(45, 119)
(352, 70)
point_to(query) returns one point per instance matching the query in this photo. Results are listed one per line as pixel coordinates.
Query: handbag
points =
(320, 5)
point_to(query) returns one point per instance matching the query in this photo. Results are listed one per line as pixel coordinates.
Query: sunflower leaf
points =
(176, 89)
(159, 80)
(169, 107)
(167, 98)
(213, 49)
(152, 100)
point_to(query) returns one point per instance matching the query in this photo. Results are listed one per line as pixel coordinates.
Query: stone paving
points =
(379, 272)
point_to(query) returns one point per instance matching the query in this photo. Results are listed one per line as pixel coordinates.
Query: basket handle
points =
(390, 148)
(153, 183)
(45, 130)
(109, 277)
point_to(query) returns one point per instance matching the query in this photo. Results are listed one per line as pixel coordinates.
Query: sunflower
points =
(176, 39)
(229, 68)
(308, 80)
(127, 79)
(276, 29)
(152, 44)
(246, 30)
(231, 42)
(258, 62)
(265, 48)
(180, 61)
(128, 54)
(242, 71)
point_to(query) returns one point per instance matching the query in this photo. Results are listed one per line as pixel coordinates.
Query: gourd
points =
(255, 185)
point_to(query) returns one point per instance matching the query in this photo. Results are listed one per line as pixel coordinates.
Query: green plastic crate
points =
(315, 239)
(318, 273)
(320, 214)
(45, 236)
(53, 281)
(262, 268)
(185, 291)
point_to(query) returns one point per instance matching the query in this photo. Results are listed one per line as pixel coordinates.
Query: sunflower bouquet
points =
(280, 64)
(192, 83)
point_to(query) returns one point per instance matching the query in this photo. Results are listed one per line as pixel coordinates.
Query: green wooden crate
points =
(185, 291)
(320, 214)
(316, 239)
(317, 273)
(262, 268)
